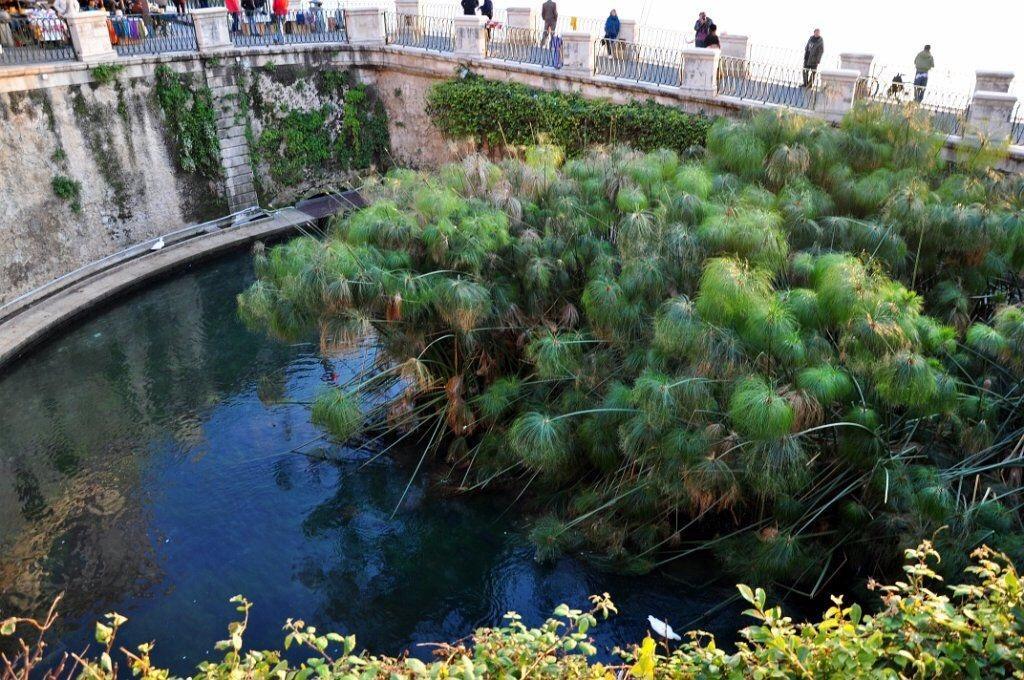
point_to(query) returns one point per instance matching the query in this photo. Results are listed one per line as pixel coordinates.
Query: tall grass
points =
(808, 344)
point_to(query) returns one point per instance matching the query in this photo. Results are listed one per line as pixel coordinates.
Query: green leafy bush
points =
(749, 362)
(349, 132)
(508, 113)
(973, 631)
(68, 190)
(191, 122)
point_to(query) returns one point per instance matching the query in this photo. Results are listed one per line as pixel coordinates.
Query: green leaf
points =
(8, 625)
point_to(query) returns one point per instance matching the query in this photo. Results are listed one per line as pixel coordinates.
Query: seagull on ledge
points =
(158, 245)
(662, 628)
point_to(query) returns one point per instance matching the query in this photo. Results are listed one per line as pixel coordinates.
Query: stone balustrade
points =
(989, 114)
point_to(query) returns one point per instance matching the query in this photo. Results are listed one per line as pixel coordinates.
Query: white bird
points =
(158, 245)
(662, 628)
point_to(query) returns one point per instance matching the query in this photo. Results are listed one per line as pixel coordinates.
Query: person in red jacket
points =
(235, 10)
(280, 9)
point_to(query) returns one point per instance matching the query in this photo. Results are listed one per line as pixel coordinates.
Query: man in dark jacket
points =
(469, 7)
(812, 56)
(487, 10)
(549, 13)
(612, 26)
(701, 29)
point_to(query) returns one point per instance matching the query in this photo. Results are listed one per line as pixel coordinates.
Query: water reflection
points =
(147, 465)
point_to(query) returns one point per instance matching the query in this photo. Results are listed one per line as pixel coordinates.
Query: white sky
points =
(965, 36)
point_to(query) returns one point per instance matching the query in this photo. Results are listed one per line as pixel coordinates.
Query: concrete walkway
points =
(60, 303)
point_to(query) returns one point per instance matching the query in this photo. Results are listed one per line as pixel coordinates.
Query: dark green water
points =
(145, 467)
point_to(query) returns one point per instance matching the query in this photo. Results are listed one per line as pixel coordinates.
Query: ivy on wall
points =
(503, 113)
(348, 132)
(191, 120)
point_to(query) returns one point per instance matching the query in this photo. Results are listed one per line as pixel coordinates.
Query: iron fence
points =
(311, 25)
(160, 32)
(946, 111)
(642, 63)
(1017, 124)
(523, 45)
(35, 39)
(428, 33)
(767, 83)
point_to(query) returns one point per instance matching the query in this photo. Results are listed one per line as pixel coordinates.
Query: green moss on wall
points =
(348, 132)
(191, 121)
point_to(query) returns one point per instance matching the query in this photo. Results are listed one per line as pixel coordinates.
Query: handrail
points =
(35, 39)
(638, 62)
(425, 32)
(160, 32)
(523, 45)
(768, 83)
(947, 111)
(1017, 124)
(49, 288)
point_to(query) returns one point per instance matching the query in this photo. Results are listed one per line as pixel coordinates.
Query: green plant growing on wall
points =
(105, 74)
(507, 113)
(68, 190)
(191, 120)
(349, 132)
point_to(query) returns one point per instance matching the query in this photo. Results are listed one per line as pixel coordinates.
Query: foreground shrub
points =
(805, 359)
(974, 630)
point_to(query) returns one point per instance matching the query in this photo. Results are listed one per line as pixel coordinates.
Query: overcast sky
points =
(979, 34)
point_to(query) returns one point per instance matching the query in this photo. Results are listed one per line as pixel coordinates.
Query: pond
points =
(148, 466)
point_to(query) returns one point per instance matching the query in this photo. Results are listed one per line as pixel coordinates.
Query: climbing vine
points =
(347, 132)
(500, 113)
(191, 120)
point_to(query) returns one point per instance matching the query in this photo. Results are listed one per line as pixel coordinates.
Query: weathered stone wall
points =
(103, 148)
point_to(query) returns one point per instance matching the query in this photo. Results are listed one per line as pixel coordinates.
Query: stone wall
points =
(86, 170)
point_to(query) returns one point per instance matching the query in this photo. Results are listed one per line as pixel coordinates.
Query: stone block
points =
(212, 29)
(90, 37)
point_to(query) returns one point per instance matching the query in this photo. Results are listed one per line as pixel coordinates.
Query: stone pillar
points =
(993, 81)
(364, 26)
(834, 98)
(734, 46)
(520, 17)
(861, 63)
(577, 53)
(853, 61)
(407, 7)
(990, 113)
(90, 37)
(700, 70)
(470, 37)
(628, 30)
(212, 29)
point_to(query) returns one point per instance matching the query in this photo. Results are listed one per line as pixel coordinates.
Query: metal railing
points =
(524, 45)
(312, 25)
(642, 63)
(35, 39)
(946, 111)
(428, 33)
(1017, 124)
(767, 83)
(163, 32)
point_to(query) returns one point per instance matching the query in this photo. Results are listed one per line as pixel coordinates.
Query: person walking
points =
(813, 51)
(469, 7)
(279, 8)
(923, 63)
(701, 29)
(549, 13)
(612, 26)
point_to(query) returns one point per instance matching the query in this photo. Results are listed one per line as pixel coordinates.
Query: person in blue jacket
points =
(612, 26)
